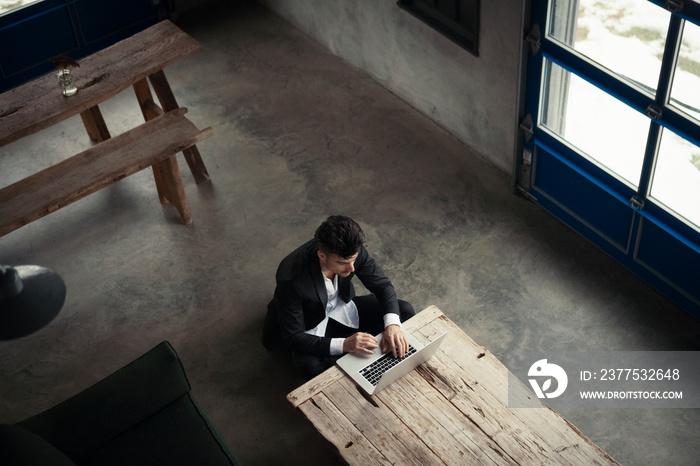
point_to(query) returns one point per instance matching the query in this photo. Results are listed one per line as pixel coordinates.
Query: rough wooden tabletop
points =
(451, 410)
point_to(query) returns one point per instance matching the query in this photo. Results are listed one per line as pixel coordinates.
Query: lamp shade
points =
(30, 297)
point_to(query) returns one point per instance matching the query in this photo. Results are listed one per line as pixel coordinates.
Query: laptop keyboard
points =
(374, 371)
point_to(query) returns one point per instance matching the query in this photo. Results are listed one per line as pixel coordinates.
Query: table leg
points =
(95, 124)
(165, 173)
(168, 101)
(150, 110)
(168, 173)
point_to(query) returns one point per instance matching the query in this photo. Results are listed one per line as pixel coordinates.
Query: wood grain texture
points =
(154, 142)
(453, 409)
(40, 104)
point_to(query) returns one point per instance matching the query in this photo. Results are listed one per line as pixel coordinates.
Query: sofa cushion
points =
(20, 447)
(178, 434)
(113, 405)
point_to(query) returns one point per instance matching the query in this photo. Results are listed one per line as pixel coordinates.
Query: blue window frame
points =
(599, 133)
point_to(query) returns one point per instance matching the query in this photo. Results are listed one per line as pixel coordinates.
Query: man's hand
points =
(360, 343)
(395, 341)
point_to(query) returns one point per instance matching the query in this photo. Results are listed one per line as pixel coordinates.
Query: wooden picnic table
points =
(133, 62)
(452, 410)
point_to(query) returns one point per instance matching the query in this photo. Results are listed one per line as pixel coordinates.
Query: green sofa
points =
(143, 414)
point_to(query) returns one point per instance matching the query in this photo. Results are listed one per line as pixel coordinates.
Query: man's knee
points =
(271, 334)
(309, 365)
(406, 310)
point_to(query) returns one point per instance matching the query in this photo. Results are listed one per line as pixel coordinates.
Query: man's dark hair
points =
(339, 235)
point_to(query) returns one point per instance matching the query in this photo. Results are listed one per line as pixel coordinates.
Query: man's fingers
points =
(394, 345)
(399, 347)
(369, 341)
(387, 344)
(365, 343)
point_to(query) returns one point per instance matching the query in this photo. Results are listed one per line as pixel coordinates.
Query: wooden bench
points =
(154, 143)
(134, 62)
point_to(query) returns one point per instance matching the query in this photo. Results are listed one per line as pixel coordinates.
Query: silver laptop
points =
(376, 371)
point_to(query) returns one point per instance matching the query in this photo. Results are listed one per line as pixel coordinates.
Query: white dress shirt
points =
(344, 313)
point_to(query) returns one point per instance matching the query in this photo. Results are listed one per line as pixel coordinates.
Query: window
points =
(611, 131)
(456, 19)
(9, 5)
(627, 39)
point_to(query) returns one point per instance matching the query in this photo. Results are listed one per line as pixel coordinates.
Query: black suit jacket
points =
(300, 299)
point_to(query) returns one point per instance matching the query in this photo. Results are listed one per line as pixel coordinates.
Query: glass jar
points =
(65, 81)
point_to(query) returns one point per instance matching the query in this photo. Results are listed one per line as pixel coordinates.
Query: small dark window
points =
(456, 19)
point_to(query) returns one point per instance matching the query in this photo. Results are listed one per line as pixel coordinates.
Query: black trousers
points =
(371, 321)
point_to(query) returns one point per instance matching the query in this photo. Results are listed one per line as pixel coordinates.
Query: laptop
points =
(376, 371)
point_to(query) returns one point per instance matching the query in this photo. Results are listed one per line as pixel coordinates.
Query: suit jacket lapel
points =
(317, 276)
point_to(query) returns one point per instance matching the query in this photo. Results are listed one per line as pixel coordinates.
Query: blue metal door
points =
(610, 131)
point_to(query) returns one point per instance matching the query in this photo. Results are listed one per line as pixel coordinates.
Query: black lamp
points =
(30, 297)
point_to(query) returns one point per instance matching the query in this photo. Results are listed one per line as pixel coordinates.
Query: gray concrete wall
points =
(474, 98)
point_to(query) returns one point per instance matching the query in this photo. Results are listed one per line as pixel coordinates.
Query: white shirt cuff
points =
(337, 346)
(391, 319)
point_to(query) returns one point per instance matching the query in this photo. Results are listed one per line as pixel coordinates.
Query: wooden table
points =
(451, 410)
(39, 104)
(133, 62)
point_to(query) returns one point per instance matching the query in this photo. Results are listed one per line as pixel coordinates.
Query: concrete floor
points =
(300, 135)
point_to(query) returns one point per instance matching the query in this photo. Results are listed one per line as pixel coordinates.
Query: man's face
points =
(337, 265)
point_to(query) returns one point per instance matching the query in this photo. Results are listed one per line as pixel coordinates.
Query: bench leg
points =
(160, 185)
(168, 101)
(150, 110)
(95, 124)
(167, 175)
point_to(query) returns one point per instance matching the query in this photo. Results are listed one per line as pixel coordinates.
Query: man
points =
(314, 311)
